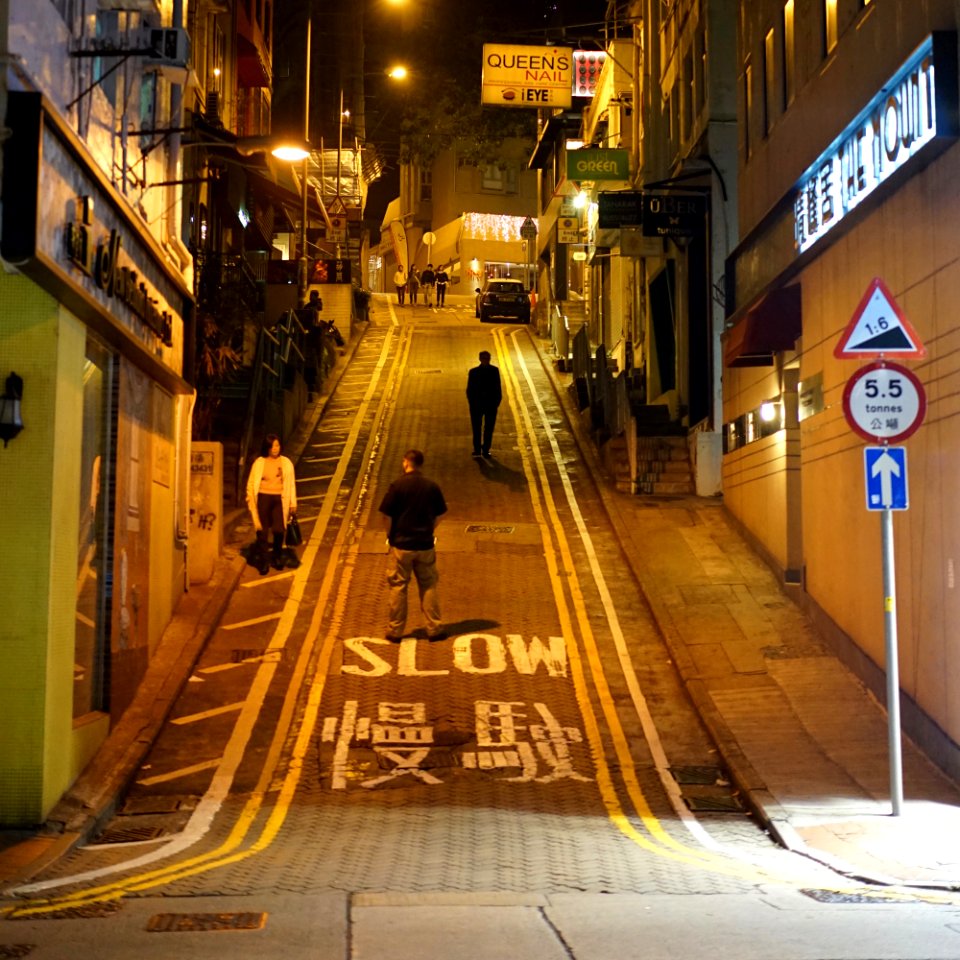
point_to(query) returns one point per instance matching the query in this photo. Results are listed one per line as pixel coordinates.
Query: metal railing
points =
(280, 354)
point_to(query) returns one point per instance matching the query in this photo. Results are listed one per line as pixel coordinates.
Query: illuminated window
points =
(747, 108)
(830, 24)
(769, 81)
(789, 77)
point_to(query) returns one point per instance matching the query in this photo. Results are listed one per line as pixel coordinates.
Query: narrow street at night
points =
(537, 783)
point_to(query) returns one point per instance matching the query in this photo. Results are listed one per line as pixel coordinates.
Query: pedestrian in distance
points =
(441, 280)
(483, 396)
(400, 282)
(272, 500)
(411, 509)
(413, 286)
(427, 279)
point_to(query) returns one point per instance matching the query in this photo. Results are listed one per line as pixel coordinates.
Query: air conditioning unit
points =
(168, 46)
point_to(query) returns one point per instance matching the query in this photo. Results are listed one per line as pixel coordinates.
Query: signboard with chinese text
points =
(910, 111)
(884, 402)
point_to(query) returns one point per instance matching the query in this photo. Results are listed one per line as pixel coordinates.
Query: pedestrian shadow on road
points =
(494, 470)
(461, 627)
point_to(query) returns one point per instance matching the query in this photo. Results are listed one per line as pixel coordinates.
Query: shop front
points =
(95, 322)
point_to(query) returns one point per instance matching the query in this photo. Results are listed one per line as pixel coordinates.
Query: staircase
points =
(663, 466)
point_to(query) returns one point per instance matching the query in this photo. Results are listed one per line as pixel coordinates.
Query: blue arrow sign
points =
(886, 477)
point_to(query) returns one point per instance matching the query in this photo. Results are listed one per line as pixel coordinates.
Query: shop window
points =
(95, 547)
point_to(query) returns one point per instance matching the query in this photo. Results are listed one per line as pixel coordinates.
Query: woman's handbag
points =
(294, 537)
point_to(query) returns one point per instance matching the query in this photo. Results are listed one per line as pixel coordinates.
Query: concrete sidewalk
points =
(803, 740)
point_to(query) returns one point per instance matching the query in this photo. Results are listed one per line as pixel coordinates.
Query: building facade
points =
(97, 298)
(848, 158)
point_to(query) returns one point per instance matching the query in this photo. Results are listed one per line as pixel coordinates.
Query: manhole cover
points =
(698, 775)
(714, 804)
(204, 922)
(128, 835)
(489, 528)
(838, 896)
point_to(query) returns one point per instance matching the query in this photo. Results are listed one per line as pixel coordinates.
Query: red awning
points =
(772, 324)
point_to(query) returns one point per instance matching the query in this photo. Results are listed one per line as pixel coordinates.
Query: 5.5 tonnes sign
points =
(515, 76)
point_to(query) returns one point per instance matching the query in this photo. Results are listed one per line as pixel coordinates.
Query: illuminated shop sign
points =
(520, 76)
(100, 260)
(916, 107)
(591, 164)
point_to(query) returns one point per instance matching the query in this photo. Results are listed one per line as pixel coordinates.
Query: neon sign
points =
(897, 124)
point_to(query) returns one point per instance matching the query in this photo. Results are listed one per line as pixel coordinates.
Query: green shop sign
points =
(598, 165)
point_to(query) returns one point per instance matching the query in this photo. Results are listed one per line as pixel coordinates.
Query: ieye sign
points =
(520, 76)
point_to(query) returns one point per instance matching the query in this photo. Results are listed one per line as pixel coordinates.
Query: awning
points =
(772, 324)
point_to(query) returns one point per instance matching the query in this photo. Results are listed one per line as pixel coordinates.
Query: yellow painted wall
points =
(911, 241)
(38, 566)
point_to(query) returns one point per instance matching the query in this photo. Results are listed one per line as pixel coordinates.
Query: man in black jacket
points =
(483, 396)
(411, 510)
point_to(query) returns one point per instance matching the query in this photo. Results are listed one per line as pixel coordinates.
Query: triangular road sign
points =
(879, 328)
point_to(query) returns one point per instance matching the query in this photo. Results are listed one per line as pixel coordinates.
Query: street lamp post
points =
(302, 268)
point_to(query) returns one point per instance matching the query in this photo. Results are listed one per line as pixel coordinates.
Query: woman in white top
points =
(271, 499)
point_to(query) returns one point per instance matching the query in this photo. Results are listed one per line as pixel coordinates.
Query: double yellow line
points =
(231, 850)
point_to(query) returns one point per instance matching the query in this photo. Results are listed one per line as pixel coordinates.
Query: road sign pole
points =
(893, 670)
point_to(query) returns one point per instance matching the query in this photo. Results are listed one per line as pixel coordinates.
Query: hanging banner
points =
(399, 236)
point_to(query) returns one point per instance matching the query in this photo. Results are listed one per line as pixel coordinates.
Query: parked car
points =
(503, 299)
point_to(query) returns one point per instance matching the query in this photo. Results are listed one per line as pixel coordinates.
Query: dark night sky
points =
(436, 38)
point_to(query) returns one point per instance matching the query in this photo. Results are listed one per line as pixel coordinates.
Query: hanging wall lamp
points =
(10, 421)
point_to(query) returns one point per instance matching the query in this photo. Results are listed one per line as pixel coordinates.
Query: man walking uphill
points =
(412, 508)
(483, 396)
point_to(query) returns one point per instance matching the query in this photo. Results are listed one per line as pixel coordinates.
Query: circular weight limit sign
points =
(884, 402)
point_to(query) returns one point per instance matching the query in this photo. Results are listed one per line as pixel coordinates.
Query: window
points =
(769, 81)
(830, 25)
(95, 547)
(747, 108)
(700, 69)
(789, 61)
(426, 184)
(688, 96)
(499, 180)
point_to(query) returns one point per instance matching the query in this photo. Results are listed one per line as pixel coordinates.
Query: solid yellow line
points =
(670, 847)
(224, 853)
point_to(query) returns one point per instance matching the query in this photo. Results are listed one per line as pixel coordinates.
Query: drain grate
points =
(429, 370)
(128, 835)
(205, 922)
(10, 951)
(864, 896)
(714, 804)
(490, 528)
(698, 775)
